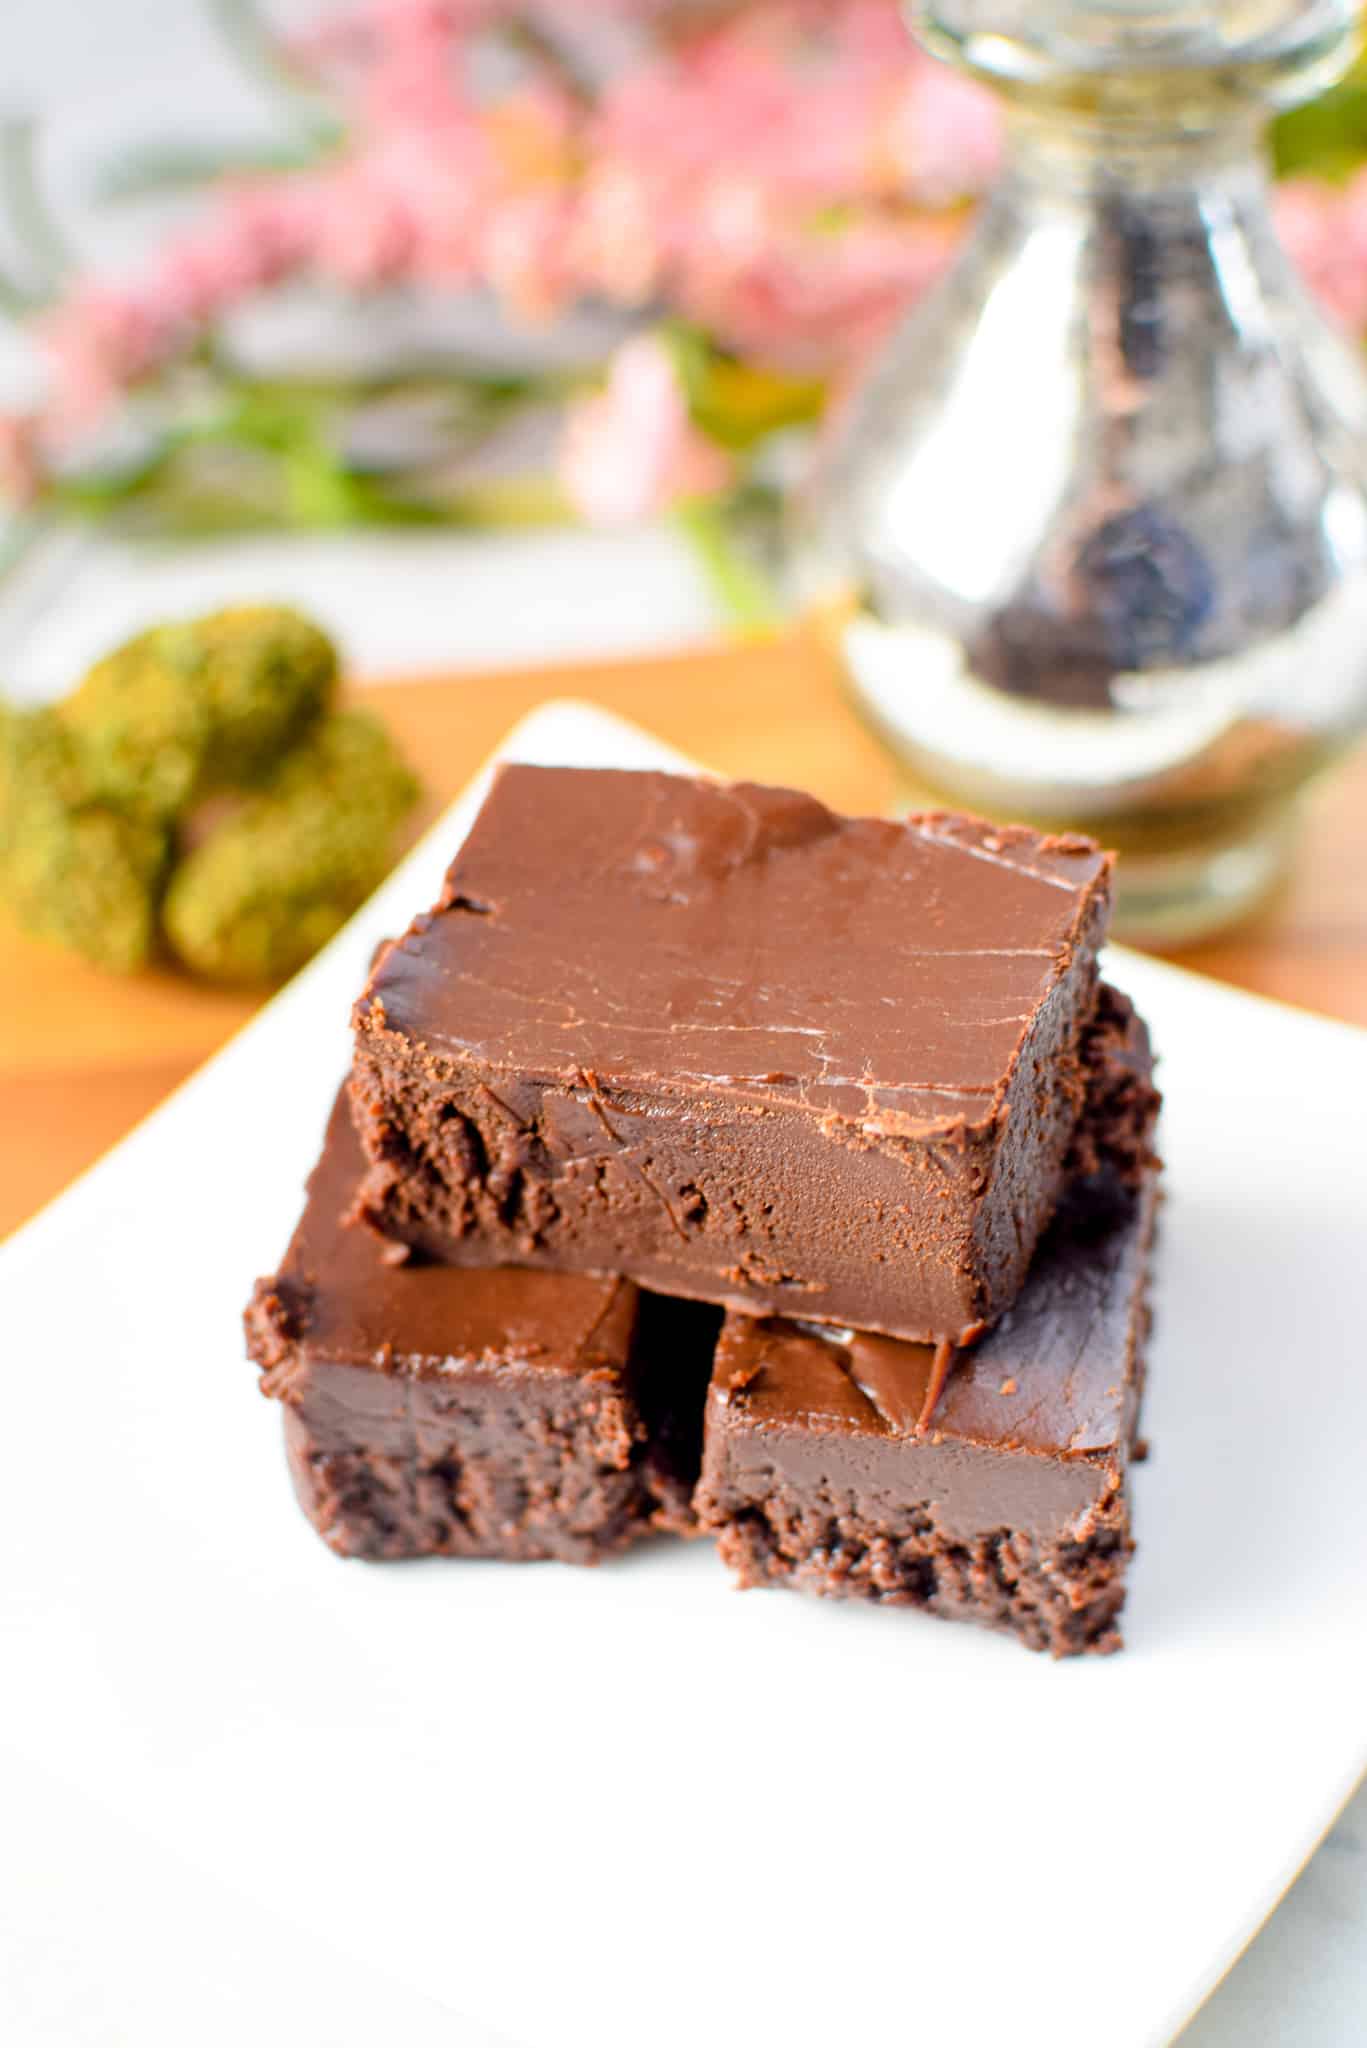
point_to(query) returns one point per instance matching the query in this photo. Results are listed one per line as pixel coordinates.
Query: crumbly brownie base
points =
(1065, 1598)
(1115, 1133)
(486, 1477)
(1062, 1596)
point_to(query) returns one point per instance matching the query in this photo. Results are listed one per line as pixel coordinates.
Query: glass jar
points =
(1091, 540)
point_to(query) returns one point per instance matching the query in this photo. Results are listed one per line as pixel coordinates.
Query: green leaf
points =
(319, 493)
(737, 403)
(1327, 138)
(16, 300)
(741, 588)
(174, 166)
(22, 200)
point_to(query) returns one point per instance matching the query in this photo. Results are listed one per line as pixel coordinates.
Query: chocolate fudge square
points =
(1010, 1507)
(736, 1047)
(432, 1411)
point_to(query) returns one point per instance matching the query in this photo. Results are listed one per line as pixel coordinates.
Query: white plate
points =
(627, 1806)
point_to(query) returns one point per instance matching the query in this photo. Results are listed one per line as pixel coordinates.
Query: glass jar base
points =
(1172, 887)
(1178, 898)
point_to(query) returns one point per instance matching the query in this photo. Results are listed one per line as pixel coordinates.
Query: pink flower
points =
(759, 166)
(615, 244)
(98, 342)
(758, 175)
(944, 134)
(358, 38)
(1324, 231)
(523, 251)
(818, 101)
(814, 310)
(366, 232)
(752, 170)
(258, 234)
(631, 451)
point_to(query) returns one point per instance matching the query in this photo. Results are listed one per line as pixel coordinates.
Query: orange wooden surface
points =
(84, 1055)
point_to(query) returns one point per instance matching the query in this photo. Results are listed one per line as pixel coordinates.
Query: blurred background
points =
(401, 307)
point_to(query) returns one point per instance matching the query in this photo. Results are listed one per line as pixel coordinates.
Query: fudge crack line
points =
(627, 1153)
(519, 1123)
(521, 995)
(995, 858)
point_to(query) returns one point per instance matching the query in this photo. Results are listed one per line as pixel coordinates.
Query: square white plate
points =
(627, 1806)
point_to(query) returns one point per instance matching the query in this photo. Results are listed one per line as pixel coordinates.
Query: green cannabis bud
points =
(73, 869)
(182, 712)
(282, 873)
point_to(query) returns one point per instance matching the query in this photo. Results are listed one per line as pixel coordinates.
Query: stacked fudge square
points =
(714, 1164)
